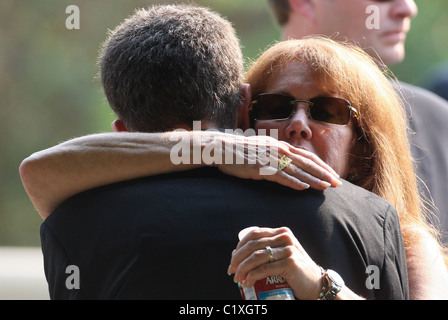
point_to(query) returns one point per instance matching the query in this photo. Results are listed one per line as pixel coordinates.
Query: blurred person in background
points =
(437, 81)
(427, 113)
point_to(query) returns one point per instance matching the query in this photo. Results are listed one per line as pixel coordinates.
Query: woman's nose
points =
(298, 125)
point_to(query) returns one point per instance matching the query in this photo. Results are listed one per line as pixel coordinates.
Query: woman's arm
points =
(53, 175)
(427, 271)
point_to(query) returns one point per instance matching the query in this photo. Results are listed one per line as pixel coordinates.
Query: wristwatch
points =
(332, 284)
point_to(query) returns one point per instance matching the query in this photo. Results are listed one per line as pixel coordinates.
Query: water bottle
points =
(270, 288)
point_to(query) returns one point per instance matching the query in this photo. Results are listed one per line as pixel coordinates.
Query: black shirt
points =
(171, 236)
(427, 116)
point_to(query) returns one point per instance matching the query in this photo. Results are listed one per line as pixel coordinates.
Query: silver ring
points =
(271, 254)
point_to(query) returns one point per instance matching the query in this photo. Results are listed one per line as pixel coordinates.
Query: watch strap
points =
(330, 289)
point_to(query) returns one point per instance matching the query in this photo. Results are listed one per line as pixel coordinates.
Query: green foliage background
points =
(49, 92)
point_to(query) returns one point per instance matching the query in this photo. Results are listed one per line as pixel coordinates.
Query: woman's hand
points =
(257, 157)
(251, 262)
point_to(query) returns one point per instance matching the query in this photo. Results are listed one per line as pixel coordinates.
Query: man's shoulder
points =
(410, 90)
(360, 204)
(166, 189)
(196, 189)
(417, 96)
(356, 194)
(212, 179)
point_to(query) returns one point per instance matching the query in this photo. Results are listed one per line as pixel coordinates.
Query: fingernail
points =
(338, 183)
(228, 271)
(324, 184)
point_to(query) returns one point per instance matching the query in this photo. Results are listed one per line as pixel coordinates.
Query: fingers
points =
(256, 235)
(306, 167)
(251, 251)
(290, 180)
(314, 159)
(294, 177)
(309, 179)
(265, 252)
(309, 168)
(258, 158)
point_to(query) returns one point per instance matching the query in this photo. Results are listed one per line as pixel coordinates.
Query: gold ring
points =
(284, 162)
(271, 254)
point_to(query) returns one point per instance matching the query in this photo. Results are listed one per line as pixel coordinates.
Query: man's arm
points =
(53, 175)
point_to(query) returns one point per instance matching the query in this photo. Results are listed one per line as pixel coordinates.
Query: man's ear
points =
(304, 8)
(119, 126)
(243, 108)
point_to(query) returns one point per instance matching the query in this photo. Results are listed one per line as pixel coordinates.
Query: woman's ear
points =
(243, 108)
(119, 126)
(361, 160)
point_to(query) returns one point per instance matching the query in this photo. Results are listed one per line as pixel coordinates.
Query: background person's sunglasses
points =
(269, 106)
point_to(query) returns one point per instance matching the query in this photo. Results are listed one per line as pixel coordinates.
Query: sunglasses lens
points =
(330, 110)
(273, 107)
(280, 107)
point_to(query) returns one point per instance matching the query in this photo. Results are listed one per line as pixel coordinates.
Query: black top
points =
(171, 236)
(428, 123)
(437, 81)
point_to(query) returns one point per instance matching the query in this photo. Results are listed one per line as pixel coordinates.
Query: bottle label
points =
(270, 288)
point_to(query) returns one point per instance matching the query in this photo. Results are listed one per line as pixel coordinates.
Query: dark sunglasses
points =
(269, 106)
